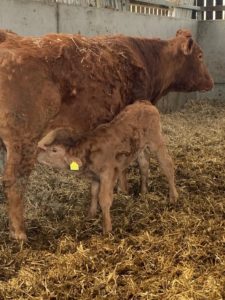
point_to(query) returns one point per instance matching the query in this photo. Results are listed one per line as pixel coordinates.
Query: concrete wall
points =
(92, 21)
(211, 36)
(28, 17)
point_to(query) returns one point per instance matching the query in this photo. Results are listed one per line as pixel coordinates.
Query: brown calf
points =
(108, 150)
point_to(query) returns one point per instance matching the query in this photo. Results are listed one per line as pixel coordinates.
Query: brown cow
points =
(108, 150)
(69, 80)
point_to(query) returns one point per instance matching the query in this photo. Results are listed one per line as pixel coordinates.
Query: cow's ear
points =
(184, 33)
(187, 46)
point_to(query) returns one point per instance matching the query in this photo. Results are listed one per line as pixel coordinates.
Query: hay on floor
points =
(157, 250)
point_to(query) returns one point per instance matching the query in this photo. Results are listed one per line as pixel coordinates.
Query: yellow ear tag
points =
(74, 166)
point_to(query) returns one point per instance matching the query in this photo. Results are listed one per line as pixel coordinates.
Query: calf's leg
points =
(167, 167)
(122, 182)
(166, 163)
(143, 162)
(105, 199)
(94, 199)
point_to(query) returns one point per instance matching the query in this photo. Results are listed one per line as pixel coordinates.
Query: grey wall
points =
(211, 36)
(28, 17)
(92, 21)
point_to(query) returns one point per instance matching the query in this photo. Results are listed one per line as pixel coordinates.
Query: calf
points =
(108, 150)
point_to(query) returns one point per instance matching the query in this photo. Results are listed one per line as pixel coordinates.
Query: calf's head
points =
(55, 150)
(53, 155)
(191, 73)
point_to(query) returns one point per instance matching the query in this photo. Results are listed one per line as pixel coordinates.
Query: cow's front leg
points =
(19, 164)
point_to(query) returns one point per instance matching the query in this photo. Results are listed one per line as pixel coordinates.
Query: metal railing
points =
(113, 4)
(186, 9)
(149, 10)
(212, 9)
(174, 8)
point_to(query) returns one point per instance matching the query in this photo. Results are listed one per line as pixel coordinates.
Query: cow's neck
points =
(157, 59)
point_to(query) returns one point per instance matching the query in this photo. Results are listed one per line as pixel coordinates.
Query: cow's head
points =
(55, 150)
(191, 73)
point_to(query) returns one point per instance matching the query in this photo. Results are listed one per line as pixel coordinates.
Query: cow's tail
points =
(2, 157)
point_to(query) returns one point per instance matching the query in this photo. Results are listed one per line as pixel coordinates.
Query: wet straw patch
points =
(157, 250)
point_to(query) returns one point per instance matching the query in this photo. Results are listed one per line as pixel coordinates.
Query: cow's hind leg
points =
(19, 164)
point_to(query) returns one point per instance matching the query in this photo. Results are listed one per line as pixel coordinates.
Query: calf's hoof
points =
(144, 191)
(174, 197)
(124, 191)
(107, 229)
(92, 213)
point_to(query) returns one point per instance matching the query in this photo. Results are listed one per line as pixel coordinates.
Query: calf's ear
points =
(187, 46)
(47, 140)
(74, 163)
(61, 135)
(42, 146)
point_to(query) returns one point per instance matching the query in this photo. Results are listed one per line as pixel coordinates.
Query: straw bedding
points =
(157, 250)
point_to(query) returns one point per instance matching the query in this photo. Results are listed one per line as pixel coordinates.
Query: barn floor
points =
(157, 250)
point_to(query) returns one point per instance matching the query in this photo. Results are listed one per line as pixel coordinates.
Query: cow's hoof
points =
(20, 236)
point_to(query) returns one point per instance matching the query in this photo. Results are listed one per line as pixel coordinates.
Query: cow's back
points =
(93, 78)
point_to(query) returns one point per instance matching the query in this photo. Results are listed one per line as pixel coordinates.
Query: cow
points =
(73, 81)
(105, 152)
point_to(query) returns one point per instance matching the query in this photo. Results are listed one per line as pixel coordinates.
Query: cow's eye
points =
(54, 150)
(200, 56)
